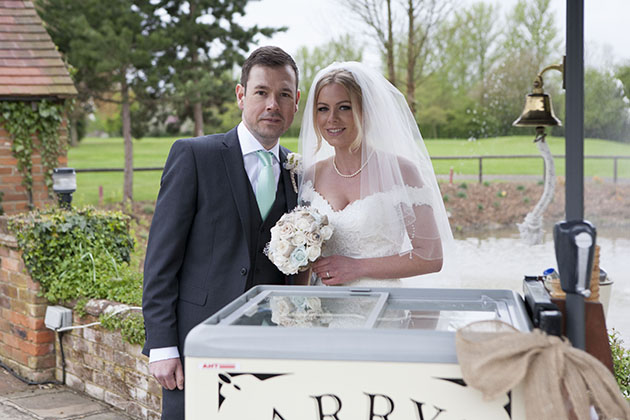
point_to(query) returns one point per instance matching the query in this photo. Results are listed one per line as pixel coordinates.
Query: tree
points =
(470, 47)
(606, 112)
(623, 74)
(413, 48)
(532, 27)
(205, 43)
(423, 20)
(312, 60)
(530, 43)
(378, 16)
(111, 50)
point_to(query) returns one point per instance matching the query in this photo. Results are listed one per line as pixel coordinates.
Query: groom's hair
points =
(268, 56)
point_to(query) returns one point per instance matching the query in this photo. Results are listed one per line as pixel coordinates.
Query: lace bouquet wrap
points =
(297, 239)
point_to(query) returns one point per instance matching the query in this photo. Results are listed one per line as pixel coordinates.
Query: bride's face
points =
(335, 119)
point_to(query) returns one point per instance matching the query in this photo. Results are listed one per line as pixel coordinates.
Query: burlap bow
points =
(494, 357)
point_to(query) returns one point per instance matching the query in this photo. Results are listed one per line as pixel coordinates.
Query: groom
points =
(219, 197)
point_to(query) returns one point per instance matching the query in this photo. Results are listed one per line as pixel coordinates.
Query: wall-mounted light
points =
(64, 184)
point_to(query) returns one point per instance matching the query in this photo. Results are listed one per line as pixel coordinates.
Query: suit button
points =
(243, 271)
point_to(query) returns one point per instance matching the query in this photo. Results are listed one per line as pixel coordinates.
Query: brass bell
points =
(537, 112)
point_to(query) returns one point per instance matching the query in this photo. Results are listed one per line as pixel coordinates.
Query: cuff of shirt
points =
(163, 353)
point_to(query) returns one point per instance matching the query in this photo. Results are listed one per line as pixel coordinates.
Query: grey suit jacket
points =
(197, 257)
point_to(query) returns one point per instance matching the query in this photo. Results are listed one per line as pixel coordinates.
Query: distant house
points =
(31, 70)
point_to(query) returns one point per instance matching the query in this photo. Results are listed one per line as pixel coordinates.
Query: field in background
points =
(152, 152)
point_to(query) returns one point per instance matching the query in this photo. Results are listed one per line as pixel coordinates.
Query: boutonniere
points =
(293, 164)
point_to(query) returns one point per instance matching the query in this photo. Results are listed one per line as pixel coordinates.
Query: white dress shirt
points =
(253, 165)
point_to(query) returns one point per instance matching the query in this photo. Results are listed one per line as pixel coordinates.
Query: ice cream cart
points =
(297, 352)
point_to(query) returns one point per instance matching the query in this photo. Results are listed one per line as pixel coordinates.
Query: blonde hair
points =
(345, 79)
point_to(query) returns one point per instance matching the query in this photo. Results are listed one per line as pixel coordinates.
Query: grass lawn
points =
(152, 152)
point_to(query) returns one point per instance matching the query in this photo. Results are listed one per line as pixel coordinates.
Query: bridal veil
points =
(395, 164)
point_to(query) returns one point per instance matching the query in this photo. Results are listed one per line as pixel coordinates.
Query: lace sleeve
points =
(422, 231)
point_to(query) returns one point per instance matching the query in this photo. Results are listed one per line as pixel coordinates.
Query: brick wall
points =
(26, 345)
(15, 198)
(98, 361)
(101, 364)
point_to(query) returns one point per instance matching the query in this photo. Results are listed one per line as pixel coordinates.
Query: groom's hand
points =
(169, 373)
(336, 269)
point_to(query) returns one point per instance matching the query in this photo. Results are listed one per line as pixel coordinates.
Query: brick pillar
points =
(15, 198)
(26, 345)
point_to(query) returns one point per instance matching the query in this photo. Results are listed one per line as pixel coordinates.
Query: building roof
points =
(30, 65)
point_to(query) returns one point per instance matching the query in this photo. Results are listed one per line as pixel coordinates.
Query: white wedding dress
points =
(360, 227)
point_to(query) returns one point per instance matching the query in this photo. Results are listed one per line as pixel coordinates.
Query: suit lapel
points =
(237, 177)
(289, 192)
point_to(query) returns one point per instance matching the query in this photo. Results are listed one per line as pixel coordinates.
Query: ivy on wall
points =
(77, 255)
(25, 120)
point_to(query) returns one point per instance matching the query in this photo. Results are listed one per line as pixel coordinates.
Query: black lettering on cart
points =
(390, 404)
(420, 413)
(276, 415)
(320, 407)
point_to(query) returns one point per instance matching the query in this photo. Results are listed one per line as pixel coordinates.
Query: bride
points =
(367, 169)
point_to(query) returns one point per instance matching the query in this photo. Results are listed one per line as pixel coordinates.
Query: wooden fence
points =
(479, 158)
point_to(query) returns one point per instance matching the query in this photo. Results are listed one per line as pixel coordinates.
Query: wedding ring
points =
(327, 275)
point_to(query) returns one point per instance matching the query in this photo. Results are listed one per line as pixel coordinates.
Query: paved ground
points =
(19, 401)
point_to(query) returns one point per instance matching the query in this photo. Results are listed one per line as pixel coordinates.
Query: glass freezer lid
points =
(365, 309)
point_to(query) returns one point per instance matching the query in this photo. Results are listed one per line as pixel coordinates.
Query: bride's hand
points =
(336, 269)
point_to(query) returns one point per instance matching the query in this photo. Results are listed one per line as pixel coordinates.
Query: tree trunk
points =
(411, 61)
(197, 107)
(126, 126)
(391, 71)
(74, 136)
(198, 113)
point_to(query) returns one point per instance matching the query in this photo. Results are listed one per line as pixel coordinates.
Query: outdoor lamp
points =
(64, 184)
(538, 113)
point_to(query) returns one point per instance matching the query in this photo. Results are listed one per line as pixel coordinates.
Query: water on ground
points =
(500, 260)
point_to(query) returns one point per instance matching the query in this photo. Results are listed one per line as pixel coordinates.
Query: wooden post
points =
(480, 169)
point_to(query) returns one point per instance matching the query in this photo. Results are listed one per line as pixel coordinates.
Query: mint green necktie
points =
(266, 186)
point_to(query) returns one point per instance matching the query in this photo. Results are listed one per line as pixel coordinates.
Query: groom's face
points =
(269, 102)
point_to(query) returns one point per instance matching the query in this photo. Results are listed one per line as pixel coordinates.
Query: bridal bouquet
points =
(297, 239)
(298, 311)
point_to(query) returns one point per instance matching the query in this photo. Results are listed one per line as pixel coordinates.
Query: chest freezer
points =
(315, 353)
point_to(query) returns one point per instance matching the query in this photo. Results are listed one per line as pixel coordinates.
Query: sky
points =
(314, 22)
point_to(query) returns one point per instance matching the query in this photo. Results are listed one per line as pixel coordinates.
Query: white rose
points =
(313, 252)
(303, 225)
(314, 238)
(294, 162)
(278, 260)
(288, 268)
(298, 238)
(282, 248)
(326, 232)
(283, 232)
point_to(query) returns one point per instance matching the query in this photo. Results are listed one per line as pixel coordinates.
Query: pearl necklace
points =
(354, 173)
